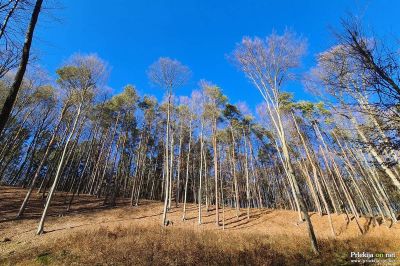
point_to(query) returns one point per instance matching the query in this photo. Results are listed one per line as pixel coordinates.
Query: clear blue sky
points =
(130, 35)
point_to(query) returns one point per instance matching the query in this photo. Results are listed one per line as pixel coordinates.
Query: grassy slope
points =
(92, 234)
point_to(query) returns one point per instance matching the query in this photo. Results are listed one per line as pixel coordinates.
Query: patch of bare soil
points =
(91, 233)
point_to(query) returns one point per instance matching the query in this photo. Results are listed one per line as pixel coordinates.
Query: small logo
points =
(368, 257)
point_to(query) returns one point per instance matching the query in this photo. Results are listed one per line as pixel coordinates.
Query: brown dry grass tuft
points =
(156, 246)
(153, 245)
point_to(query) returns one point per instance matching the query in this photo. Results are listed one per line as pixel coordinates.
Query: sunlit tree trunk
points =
(214, 140)
(236, 187)
(166, 163)
(247, 175)
(200, 194)
(52, 190)
(187, 169)
(178, 183)
(42, 161)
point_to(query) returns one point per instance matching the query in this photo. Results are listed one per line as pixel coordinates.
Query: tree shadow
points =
(12, 198)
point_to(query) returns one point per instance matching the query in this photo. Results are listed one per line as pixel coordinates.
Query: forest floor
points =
(91, 234)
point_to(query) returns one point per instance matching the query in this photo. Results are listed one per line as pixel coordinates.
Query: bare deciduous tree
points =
(168, 74)
(267, 63)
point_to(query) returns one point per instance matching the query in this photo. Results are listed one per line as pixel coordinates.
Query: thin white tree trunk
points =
(53, 187)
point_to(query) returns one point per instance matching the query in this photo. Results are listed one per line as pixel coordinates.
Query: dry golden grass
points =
(92, 234)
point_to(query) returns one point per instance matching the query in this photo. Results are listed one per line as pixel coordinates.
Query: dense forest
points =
(336, 155)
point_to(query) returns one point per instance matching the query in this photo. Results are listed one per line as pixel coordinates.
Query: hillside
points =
(91, 234)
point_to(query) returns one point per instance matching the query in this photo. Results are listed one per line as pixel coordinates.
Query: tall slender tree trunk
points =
(375, 154)
(234, 175)
(53, 187)
(171, 170)
(179, 168)
(166, 164)
(187, 170)
(314, 170)
(200, 194)
(216, 171)
(246, 166)
(10, 100)
(42, 161)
